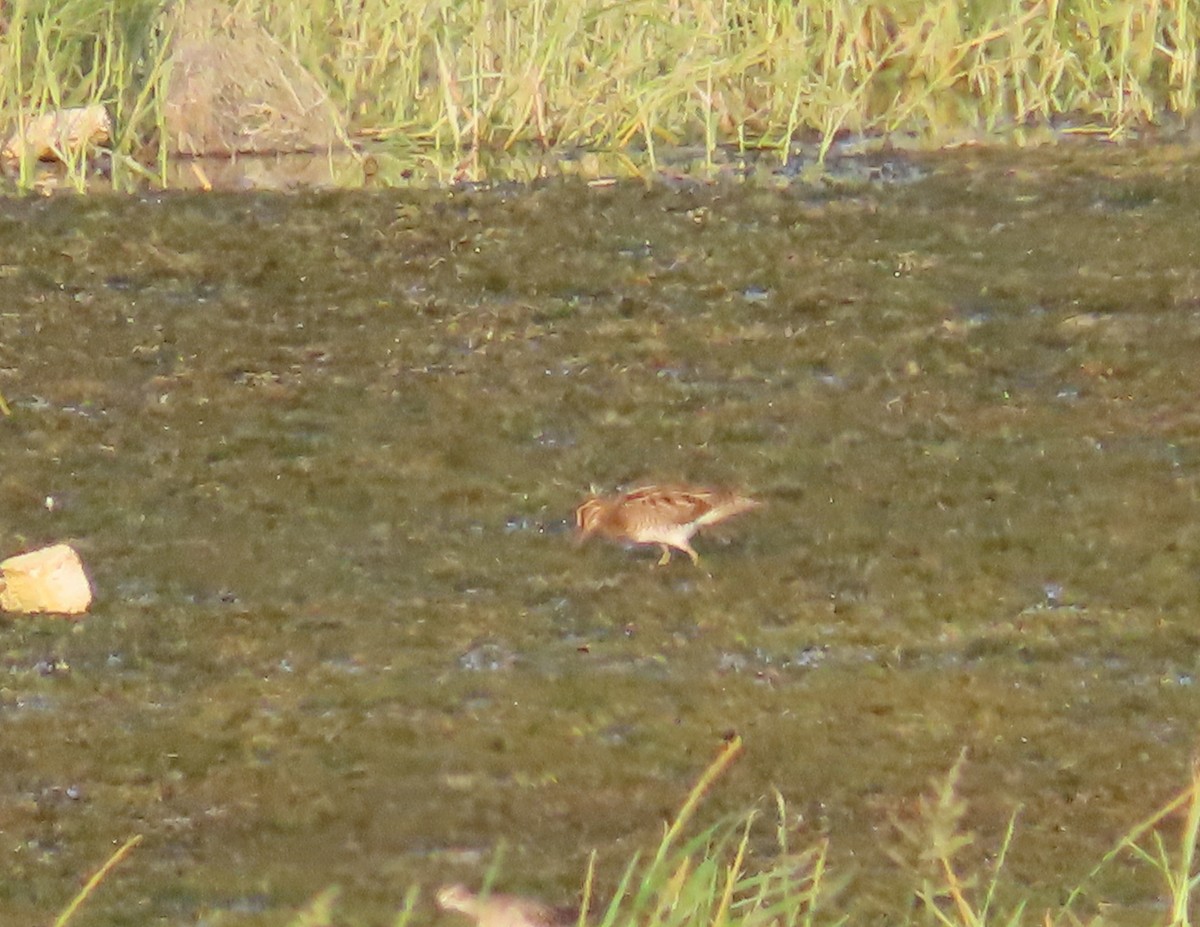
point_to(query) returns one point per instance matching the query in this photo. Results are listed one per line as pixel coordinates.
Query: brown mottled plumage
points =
(664, 515)
(503, 910)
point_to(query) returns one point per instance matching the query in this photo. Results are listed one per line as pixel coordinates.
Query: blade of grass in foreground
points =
(95, 880)
(1178, 876)
(729, 752)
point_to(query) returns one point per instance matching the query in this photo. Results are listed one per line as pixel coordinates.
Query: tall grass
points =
(705, 876)
(710, 878)
(70, 53)
(470, 74)
(753, 72)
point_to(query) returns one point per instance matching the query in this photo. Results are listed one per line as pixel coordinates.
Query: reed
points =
(458, 77)
(754, 73)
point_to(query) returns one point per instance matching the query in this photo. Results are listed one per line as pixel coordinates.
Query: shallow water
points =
(320, 452)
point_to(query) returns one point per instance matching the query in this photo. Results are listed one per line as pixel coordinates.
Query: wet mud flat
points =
(320, 453)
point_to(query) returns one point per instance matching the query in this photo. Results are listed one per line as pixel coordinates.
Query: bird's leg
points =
(666, 555)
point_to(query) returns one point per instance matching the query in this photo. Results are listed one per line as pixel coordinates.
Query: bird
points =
(496, 910)
(664, 515)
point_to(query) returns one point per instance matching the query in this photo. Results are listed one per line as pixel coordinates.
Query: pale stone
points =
(47, 580)
(59, 133)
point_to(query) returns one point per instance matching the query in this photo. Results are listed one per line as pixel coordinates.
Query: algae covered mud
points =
(320, 454)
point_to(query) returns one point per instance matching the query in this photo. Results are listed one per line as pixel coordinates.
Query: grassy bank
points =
(480, 74)
(717, 877)
(756, 73)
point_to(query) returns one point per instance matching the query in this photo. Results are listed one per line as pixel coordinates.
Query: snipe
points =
(664, 515)
(503, 910)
